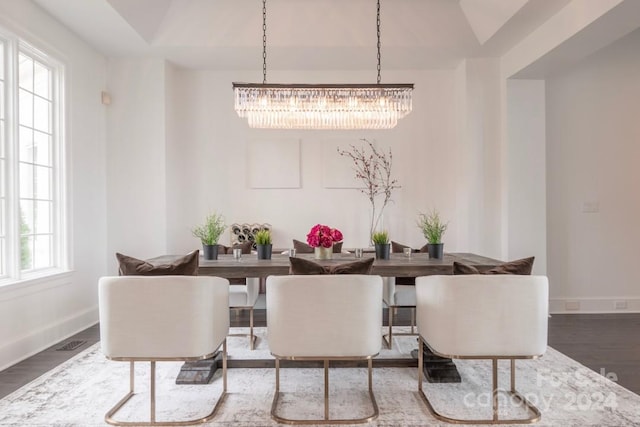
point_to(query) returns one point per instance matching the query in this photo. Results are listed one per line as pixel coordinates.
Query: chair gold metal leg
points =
(494, 388)
(326, 389)
(420, 358)
(413, 320)
(535, 412)
(388, 338)
(390, 343)
(224, 366)
(326, 419)
(132, 376)
(252, 337)
(152, 391)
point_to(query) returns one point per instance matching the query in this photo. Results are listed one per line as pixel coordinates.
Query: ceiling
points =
(303, 34)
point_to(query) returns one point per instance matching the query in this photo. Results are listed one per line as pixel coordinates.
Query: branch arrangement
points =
(373, 168)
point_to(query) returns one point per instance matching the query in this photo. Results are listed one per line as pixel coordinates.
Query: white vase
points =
(323, 253)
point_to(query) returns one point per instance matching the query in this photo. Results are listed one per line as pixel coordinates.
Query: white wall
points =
(136, 157)
(592, 158)
(527, 203)
(206, 165)
(478, 161)
(36, 315)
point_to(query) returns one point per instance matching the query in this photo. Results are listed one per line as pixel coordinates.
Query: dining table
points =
(436, 369)
(398, 264)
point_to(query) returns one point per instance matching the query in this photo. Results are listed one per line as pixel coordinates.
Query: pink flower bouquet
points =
(323, 235)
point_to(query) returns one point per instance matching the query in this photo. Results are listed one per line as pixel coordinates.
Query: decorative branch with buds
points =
(373, 168)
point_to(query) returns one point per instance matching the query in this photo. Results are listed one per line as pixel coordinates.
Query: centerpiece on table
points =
(373, 168)
(321, 238)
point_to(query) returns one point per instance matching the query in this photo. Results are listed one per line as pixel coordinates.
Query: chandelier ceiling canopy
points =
(321, 106)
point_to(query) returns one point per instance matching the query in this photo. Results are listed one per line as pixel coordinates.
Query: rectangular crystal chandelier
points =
(321, 106)
(326, 106)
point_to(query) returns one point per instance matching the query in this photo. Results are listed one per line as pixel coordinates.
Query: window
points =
(32, 232)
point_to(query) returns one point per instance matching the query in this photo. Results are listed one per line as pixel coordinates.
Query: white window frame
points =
(60, 247)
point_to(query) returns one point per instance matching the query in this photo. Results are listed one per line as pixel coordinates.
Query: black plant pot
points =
(210, 251)
(264, 251)
(383, 250)
(436, 250)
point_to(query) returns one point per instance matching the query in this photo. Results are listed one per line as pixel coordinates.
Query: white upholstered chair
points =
(324, 317)
(163, 318)
(396, 296)
(492, 317)
(244, 296)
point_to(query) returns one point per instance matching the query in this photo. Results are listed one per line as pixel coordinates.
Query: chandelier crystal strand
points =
(322, 106)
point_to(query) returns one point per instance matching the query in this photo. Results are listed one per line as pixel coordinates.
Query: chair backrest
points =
(162, 316)
(483, 315)
(324, 315)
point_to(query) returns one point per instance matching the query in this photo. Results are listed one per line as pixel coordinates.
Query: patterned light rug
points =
(80, 391)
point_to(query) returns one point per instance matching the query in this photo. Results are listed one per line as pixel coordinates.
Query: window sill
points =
(35, 282)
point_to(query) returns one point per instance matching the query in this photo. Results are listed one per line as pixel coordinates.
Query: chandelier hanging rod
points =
(322, 106)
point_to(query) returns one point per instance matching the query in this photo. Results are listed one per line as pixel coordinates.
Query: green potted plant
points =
(263, 244)
(381, 242)
(433, 229)
(209, 233)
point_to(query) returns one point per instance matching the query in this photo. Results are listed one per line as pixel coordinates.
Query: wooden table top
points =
(398, 265)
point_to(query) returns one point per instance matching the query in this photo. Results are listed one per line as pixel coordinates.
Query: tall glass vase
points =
(376, 224)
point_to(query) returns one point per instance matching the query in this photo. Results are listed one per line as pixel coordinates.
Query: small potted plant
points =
(263, 243)
(209, 233)
(381, 242)
(433, 229)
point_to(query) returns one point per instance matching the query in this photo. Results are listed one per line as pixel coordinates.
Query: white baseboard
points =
(594, 305)
(27, 346)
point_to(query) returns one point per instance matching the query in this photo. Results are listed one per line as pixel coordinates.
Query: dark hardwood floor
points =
(606, 343)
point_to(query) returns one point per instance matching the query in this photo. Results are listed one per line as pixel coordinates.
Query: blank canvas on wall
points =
(273, 163)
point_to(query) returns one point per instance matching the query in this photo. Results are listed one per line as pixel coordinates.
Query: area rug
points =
(80, 391)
